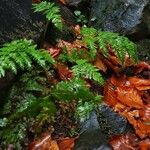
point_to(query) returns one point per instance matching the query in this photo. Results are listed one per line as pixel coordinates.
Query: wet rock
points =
(131, 17)
(96, 131)
(144, 49)
(91, 137)
(18, 21)
(75, 3)
(111, 123)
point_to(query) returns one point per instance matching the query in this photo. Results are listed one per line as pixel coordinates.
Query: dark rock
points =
(75, 3)
(111, 123)
(96, 131)
(144, 49)
(91, 137)
(17, 20)
(131, 17)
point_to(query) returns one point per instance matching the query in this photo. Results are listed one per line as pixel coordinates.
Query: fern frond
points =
(102, 39)
(89, 37)
(20, 54)
(51, 11)
(83, 69)
(121, 45)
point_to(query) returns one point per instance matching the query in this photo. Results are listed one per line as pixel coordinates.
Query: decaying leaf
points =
(66, 143)
(63, 71)
(141, 67)
(100, 64)
(129, 97)
(124, 142)
(126, 96)
(45, 143)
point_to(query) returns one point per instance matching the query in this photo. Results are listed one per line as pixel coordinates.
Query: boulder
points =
(17, 20)
(97, 130)
(130, 17)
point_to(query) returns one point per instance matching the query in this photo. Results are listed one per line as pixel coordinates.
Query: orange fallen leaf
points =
(141, 67)
(129, 97)
(100, 64)
(144, 145)
(46, 143)
(140, 84)
(63, 72)
(124, 142)
(145, 113)
(118, 81)
(66, 143)
(109, 94)
(63, 2)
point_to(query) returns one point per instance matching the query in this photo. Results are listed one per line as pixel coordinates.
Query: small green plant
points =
(51, 11)
(83, 69)
(21, 54)
(27, 109)
(80, 17)
(74, 89)
(99, 41)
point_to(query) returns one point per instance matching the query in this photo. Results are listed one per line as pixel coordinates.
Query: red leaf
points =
(124, 142)
(45, 143)
(109, 94)
(66, 143)
(145, 113)
(100, 64)
(129, 97)
(63, 72)
(140, 84)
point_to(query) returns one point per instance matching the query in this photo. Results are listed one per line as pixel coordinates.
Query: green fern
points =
(75, 89)
(51, 11)
(21, 54)
(83, 69)
(28, 106)
(101, 40)
(121, 45)
(89, 37)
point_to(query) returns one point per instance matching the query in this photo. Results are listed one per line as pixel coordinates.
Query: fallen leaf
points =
(66, 143)
(129, 97)
(63, 2)
(118, 81)
(124, 142)
(145, 113)
(45, 143)
(109, 94)
(140, 84)
(141, 67)
(63, 72)
(100, 64)
(144, 145)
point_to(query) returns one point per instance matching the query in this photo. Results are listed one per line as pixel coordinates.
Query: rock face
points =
(96, 131)
(18, 21)
(123, 16)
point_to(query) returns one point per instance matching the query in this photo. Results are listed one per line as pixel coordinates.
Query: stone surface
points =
(18, 21)
(91, 137)
(123, 16)
(96, 131)
(111, 123)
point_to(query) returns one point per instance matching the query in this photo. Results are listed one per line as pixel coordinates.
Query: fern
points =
(21, 54)
(83, 69)
(74, 55)
(89, 37)
(101, 40)
(28, 106)
(51, 11)
(121, 45)
(74, 89)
